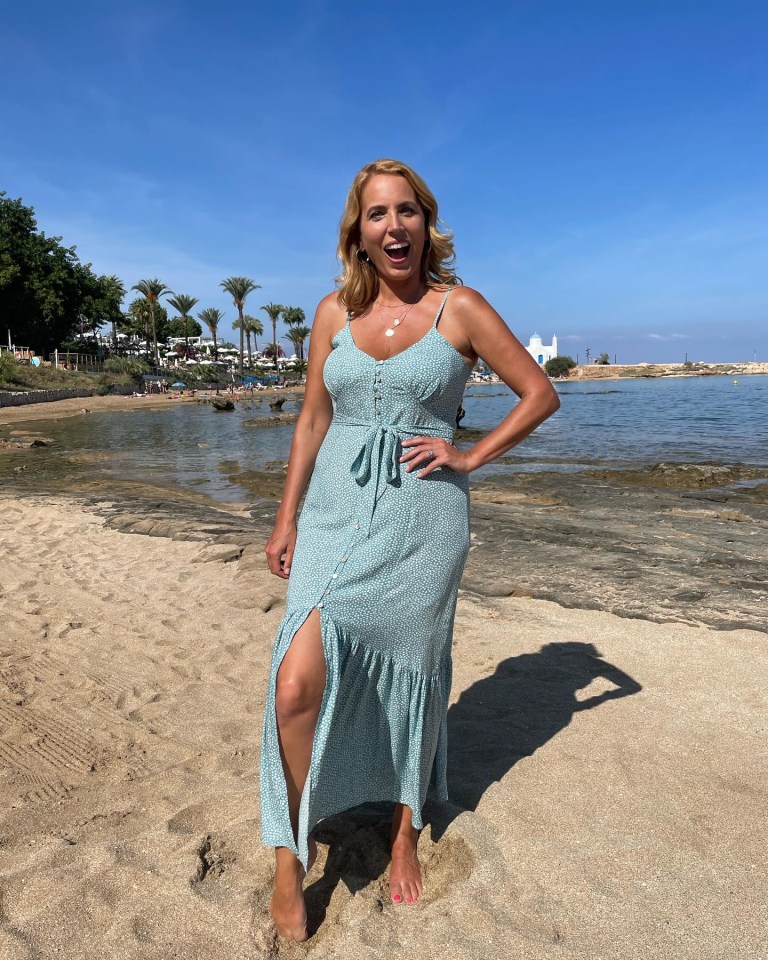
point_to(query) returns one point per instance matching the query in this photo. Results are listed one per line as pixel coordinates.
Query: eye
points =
(375, 214)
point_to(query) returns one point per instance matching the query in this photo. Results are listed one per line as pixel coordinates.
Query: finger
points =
(273, 561)
(420, 459)
(432, 464)
(410, 454)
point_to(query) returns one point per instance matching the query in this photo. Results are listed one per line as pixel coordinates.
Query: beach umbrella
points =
(178, 384)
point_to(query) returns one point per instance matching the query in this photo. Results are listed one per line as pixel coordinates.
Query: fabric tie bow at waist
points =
(379, 456)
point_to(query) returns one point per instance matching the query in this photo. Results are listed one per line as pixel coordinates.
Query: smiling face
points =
(392, 227)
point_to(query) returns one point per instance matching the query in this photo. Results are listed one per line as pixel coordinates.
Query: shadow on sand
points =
(496, 722)
(509, 715)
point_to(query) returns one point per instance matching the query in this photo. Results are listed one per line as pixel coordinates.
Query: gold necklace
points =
(390, 331)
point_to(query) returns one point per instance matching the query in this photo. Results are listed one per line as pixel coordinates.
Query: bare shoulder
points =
(467, 298)
(474, 313)
(467, 302)
(330, 316)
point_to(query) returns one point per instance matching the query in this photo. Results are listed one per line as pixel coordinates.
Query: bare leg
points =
(405, 875)
(300, 685)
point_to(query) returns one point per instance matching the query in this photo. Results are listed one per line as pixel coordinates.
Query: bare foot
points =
(287, 907)
(405, 875)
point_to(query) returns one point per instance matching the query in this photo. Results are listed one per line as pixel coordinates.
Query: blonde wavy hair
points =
(359, 282)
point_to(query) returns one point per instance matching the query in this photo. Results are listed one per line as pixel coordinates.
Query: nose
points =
(394, 222)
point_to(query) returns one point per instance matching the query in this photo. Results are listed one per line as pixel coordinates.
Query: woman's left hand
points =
(431, 453)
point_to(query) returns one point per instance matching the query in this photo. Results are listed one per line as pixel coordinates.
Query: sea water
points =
(622, 423)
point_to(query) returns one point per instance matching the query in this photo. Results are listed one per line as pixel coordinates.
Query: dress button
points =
(320, 605)
(334, 576)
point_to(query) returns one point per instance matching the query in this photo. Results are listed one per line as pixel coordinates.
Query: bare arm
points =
(308, 435)
(492, 340)
(486, 335)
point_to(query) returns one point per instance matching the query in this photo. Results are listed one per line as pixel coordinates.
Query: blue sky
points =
(602, 164)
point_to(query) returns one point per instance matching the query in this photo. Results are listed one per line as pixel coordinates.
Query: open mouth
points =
(397, 252)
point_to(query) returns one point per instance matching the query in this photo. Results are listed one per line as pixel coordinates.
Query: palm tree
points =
(183, 304)
(250, 325)
(297, 336)
(138, 320)
(152, 290)
(239, 288)
(115, 292)
(211, 317)
(253, 326)
(273, 311)
(294, 316)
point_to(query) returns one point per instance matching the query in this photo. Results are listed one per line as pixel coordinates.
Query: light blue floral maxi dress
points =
(380, 553)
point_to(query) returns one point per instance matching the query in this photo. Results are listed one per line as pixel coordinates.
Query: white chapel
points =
(539, 351)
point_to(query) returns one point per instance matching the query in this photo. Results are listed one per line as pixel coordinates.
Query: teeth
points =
(397, 246)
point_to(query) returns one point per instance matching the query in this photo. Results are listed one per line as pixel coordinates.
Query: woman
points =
(361, 669)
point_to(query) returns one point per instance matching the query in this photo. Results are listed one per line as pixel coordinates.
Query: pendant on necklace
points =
(389, 333)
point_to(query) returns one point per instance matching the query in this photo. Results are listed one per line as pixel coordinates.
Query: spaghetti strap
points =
(440, 310)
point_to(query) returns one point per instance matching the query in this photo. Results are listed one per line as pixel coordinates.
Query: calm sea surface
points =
(617, 422)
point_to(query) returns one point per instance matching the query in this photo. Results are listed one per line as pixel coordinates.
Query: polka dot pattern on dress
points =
(380, 553)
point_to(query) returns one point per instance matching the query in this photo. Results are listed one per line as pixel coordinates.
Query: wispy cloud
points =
(668, 336)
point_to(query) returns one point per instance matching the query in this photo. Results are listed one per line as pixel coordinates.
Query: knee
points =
(296, 698)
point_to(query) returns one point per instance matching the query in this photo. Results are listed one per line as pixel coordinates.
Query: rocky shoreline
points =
(669, 543)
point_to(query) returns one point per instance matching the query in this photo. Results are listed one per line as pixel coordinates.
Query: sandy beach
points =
(60, 409)
(608, 775)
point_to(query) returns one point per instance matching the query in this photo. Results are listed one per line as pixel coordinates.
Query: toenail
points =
(397, 898)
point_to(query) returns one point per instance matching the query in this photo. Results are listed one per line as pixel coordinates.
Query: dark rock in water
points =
(280, 420)
(222, 403)
(24, 443)
(277, 403)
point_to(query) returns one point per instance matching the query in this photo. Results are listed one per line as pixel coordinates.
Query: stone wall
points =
(40, 396)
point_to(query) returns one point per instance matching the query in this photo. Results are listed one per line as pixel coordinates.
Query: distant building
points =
(539, 351)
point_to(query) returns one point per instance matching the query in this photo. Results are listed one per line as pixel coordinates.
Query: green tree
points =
(297, 336)
(238, 288)
(43, 286)
(293, 316)
(183, 304)
(250, 325)
(152, 290)
(212, 317)
(604, 359)
(114, 294)
(137, 321)
(273, 311)
(178, 327)
(559, 366)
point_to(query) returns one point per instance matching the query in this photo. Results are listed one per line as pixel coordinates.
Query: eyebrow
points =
(383, 206)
